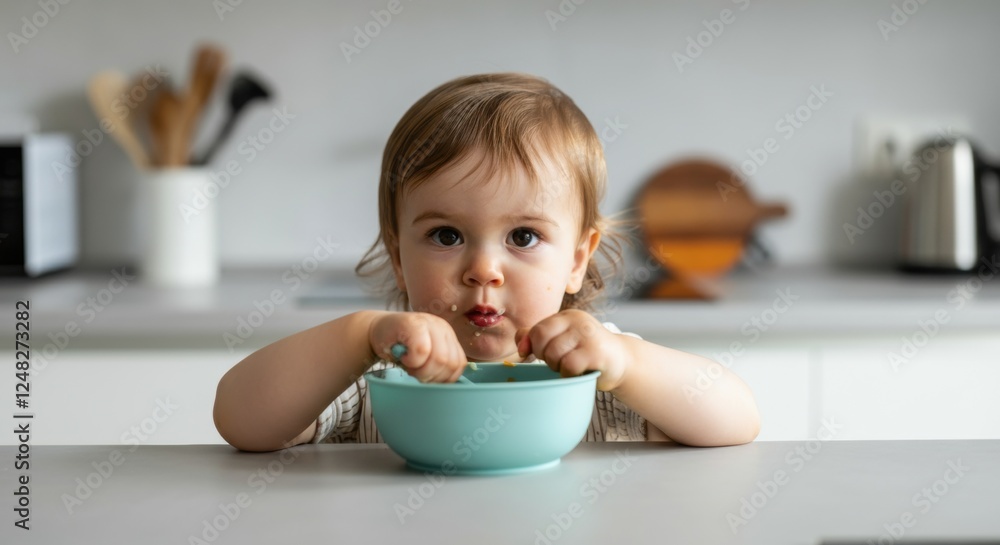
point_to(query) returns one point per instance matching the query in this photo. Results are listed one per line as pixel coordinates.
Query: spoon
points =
(243, 90)
(208, 64)
(164, 129)
(398, 350)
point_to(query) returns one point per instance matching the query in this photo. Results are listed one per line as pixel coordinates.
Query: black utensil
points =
(243, 90)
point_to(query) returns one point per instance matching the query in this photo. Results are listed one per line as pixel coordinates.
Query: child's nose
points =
(483, 270)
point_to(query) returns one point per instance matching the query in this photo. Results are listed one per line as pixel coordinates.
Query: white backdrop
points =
(317, 177)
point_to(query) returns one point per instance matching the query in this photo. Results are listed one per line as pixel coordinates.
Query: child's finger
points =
(575, 362)
(557, 348)
(448, 355)
(523, 342)
(418, 349)
(434, 371)
(458, 356)
(439, 362)
(541, 335)
(399, 351)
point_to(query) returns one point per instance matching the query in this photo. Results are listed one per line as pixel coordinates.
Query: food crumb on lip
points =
(454, 308)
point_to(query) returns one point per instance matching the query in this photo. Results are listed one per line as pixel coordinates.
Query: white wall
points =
(318, 177)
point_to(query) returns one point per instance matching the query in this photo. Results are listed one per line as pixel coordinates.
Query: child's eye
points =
(523, 238)
(445, 236)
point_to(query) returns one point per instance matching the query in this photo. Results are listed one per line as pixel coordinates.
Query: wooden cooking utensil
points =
(165, 127)
(103, 90)
(173, 115)
(139, 116)
(209, 62)
(696, 217)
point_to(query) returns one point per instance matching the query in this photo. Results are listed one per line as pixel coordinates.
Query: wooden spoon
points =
(140, 114)
(208, 65)
(103, 90)
(166, 129)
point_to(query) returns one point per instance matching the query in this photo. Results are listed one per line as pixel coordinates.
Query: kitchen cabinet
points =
(779, 374)
(108, 397)
(945, 389)
(781, 379)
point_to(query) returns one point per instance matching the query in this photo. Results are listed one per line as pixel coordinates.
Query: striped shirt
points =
(349, 418)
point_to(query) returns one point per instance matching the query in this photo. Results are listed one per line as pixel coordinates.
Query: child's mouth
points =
(483, 316)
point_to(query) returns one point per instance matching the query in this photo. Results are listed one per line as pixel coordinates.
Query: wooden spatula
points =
(102, 91)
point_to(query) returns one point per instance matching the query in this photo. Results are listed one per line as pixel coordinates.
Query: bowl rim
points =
(589, 376)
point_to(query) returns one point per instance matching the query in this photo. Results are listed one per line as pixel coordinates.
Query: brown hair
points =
(516, 119)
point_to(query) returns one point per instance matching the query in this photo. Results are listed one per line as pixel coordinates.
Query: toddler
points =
(489, 226)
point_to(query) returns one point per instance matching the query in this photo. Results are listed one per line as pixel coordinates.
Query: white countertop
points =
(817, 492)
(784, 301)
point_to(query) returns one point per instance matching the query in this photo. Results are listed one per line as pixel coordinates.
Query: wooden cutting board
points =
(696, 217)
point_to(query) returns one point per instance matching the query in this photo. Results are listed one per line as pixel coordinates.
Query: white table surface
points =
(840, 492)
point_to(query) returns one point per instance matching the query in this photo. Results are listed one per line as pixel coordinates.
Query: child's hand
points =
(433, 353)
(573, 342)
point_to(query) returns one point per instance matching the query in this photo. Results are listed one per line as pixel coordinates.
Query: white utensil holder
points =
(179, 246)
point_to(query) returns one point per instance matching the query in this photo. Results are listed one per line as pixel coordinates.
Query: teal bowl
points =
(513, 419)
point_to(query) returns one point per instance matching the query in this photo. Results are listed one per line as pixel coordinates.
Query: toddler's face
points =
(491, 253)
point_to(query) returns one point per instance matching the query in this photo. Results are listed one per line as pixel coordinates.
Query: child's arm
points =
(271, 399)
(659, 383)
(676, 392)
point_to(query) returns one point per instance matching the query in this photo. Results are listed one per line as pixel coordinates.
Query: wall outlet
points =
(883, 143)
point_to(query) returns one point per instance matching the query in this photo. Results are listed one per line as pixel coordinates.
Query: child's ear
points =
(397, 268)
(581, 259)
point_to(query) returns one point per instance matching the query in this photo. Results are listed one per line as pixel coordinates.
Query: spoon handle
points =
(398, 350)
